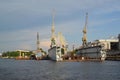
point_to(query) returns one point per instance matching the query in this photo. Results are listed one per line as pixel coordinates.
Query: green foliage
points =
(10, 54)
(15, 54)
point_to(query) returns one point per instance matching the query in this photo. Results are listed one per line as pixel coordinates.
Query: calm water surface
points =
(11, 69)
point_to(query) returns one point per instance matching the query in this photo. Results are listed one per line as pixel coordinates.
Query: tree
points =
(10, 54)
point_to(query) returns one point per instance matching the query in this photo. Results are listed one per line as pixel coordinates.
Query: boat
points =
(58, 45)
(91, 50)
(55, 53)
(58, 48)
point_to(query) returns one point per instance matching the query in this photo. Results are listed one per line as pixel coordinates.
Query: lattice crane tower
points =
(53, 42)
(84, 39)
(38, 42)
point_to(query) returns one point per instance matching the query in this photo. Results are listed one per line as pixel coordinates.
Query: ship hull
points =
(95, 52)
(55, 53)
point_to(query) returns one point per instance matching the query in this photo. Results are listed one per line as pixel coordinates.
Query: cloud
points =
(96, 23)
(40, 7)
(23, 39)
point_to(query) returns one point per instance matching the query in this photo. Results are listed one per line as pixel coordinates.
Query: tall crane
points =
(84, 38)
(53, 42)
(38, 42)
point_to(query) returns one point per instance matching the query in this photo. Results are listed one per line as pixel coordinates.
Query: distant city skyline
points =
(20, 20)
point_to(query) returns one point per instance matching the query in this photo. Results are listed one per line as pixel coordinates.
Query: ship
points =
(58, 45)
(91, 50)
(55, 53)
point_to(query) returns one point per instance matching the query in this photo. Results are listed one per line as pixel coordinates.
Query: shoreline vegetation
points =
(70, 58)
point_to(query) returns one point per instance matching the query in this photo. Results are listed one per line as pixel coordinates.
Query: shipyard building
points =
(119, 40)
(109, 44)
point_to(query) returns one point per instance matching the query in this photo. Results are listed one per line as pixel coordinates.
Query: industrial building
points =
(109, 44)
(119, 40)
(112, 46)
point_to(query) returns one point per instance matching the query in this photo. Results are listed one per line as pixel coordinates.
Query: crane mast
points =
(53, 42)
(84, 38)
(38, 42)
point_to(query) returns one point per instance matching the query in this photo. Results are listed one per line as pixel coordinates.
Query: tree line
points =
(14, 54)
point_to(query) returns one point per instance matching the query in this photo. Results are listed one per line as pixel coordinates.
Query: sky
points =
(20, 20)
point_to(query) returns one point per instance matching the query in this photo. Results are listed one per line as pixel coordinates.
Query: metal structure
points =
(84, 38)
(90, 50)
(38, 42)
(22, 53)
(53, 41)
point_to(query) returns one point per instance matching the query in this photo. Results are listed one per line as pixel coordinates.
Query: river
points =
(11, 69)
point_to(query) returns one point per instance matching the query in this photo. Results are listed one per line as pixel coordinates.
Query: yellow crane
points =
(84, 38)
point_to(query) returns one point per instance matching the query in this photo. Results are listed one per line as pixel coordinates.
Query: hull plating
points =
(95, 52)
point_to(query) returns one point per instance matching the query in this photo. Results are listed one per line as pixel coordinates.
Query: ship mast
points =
(53, 43)
(84, 39)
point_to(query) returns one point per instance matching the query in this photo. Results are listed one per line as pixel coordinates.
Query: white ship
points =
(58, 45)
(91, 50)
(58, 48)
(55, 53)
